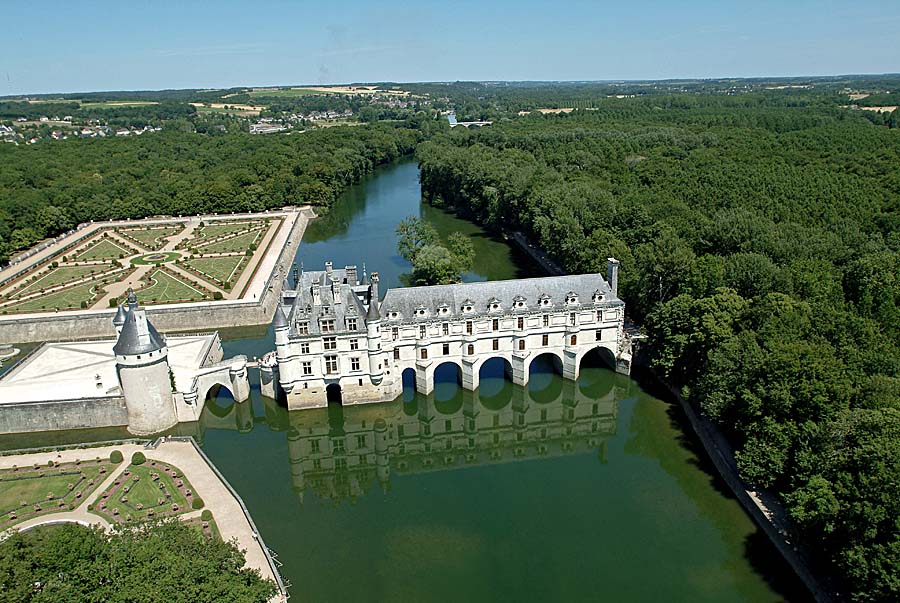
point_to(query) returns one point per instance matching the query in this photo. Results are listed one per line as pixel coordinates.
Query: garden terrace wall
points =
(63, 414)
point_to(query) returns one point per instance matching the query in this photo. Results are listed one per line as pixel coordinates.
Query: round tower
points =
(142, 365)
(373, 334)
(283, 354)
(119, 319)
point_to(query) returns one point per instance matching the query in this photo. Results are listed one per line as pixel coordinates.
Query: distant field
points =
(318, 90)
(114, 104)
(221, 108)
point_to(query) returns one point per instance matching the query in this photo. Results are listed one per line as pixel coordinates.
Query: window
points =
(338, 444)
(469, 327)
(396, 353)
(304, 347)
(495, 324)
(545, 339)
(331, 364)
(446, 349)
(423, 354)
(360, 441)
(448, 425)
(330, 343)
(354, 344)
(314, 445)
(599, 315)
(354, 364)
(395, 332)
(521, 344)
(496, 420)
(573, 339)
(445, 328)
(327, 325)
(427, 430)
(351, 324)
(303, 328)
(573, 318)
(471, 349)
(543, 414)
(546, 320)
(521, 324)
(598, 334)
(307, 368)
(495, 344)
(422, 331)
(317, 463)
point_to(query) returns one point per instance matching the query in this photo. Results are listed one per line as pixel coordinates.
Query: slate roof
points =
(481, 295)
(138, 335)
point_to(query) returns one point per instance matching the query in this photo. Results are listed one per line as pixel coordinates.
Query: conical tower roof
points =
(372, 313)
(280, 320)
(138, 335)
(120, 316)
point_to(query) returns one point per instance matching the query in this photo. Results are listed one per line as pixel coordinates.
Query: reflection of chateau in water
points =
(342, 452)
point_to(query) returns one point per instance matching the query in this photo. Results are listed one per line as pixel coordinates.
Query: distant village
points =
(23, 131)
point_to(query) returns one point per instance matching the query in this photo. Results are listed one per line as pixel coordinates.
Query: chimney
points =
(612, 275)
(374, 279)
(336, 291)
(314, 290)
(351, 275)
(329, 268)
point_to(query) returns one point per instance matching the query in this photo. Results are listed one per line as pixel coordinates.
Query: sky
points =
(48, 46)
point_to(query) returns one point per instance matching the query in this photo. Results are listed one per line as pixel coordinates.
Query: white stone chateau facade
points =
(334, 340)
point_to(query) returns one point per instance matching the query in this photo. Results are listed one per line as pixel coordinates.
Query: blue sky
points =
(48, 46)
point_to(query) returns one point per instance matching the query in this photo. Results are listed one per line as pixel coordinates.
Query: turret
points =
(373, 334)
(282, 349)
(142, 366)
(119, 319)
(612, 275)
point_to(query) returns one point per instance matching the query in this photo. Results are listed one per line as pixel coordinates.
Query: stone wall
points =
(87, 324)
(63, 414)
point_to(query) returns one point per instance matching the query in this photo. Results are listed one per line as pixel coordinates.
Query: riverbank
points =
(761, 505)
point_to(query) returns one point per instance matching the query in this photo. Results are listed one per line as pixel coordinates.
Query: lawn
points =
(211, 231)
(240, 243)
(104, 249)
(29, 492)
(64, 299)
(222, 269)
(61, 275)
(148, 490)
(150, 238)
(165, 287)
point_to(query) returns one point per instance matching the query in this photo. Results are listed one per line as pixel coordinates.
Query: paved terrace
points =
(226, 509)
(87, 369)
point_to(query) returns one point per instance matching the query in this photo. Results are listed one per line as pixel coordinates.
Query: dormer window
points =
(544, 300)
(493, 304)
(421, 311)
(468, 306)
(393, 314)
(518, 301)
(597, 297)
(443, 310)
(571, 298)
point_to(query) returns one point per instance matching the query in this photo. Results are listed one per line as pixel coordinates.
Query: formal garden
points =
(147, 489)
(28, 492)
(166, 263)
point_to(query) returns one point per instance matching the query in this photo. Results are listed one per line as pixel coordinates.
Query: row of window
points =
(331, 365)
(495, 345)
(495, 325)
(326, 325)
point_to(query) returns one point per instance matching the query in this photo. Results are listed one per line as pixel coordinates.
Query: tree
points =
(415, 234)
(164, 561)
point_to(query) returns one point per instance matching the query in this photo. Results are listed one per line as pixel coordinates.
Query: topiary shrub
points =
(138, 458)
(116, 457)
(206, 515)
(197, 503)
(217, 295)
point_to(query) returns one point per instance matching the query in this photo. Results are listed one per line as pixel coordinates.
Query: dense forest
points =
(759, 237)
(49, 188)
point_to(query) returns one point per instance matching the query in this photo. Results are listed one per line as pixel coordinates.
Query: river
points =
(559, 491)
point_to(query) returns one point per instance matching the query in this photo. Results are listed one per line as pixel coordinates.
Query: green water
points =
(559, 491)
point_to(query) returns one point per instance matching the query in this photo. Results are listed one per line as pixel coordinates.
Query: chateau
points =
(336, 340)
